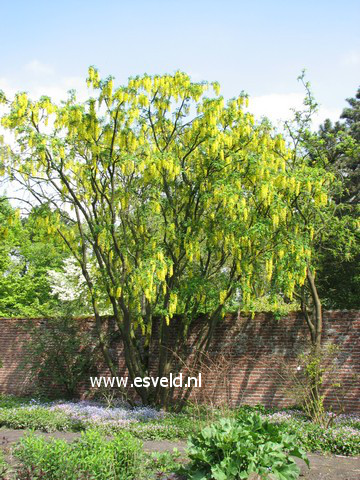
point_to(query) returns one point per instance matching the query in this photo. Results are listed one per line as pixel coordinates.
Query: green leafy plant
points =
(39, 418)
(91, 457)
(3, 466)
(11, 401)
(234, 448)
(341, 440)
(164, 462)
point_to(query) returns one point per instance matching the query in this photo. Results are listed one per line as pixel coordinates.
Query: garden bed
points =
(324, 467)
(341, 436)
(160, 431)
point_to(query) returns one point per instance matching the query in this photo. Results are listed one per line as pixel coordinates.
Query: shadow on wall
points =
(244, 362)
(243, 365)
(250, 359)
(14, 378)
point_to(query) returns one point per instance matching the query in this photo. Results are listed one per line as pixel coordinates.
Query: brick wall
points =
(250, 360)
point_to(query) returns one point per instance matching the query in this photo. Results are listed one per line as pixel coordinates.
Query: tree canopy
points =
(182, 201)
(339, 269)
(330, 153)
(25, 258)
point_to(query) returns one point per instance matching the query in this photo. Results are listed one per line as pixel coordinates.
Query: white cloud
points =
(332, 113)
(39, 68)
(275, 106)
(278, 108)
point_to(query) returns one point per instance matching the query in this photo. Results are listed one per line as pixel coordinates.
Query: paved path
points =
(331, 467)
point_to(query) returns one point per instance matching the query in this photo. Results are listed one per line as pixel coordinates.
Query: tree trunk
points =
(317, 313)
(314, 321)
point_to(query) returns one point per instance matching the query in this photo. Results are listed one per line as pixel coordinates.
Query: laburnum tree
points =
(181, 201)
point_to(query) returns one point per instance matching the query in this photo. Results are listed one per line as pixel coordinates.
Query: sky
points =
(259, 47)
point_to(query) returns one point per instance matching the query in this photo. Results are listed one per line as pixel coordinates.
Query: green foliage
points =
(60, 352)
(171, 428)
(25, 257)
(339, 269)
(164, 462)
(351, 115)
(3, 465)
(317, 438)
(235, 448)
(346, 154)
(12, 401)
(335, 148)
(273, 303)
(249, 409)
(339, 281)
(91, 458)
(36, 418)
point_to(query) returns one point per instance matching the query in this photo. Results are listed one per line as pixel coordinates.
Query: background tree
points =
(69, 286)
(339, 272)
(333, 227)
(351, 115)
(181, 201)
(331, 222)
(25, 257)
